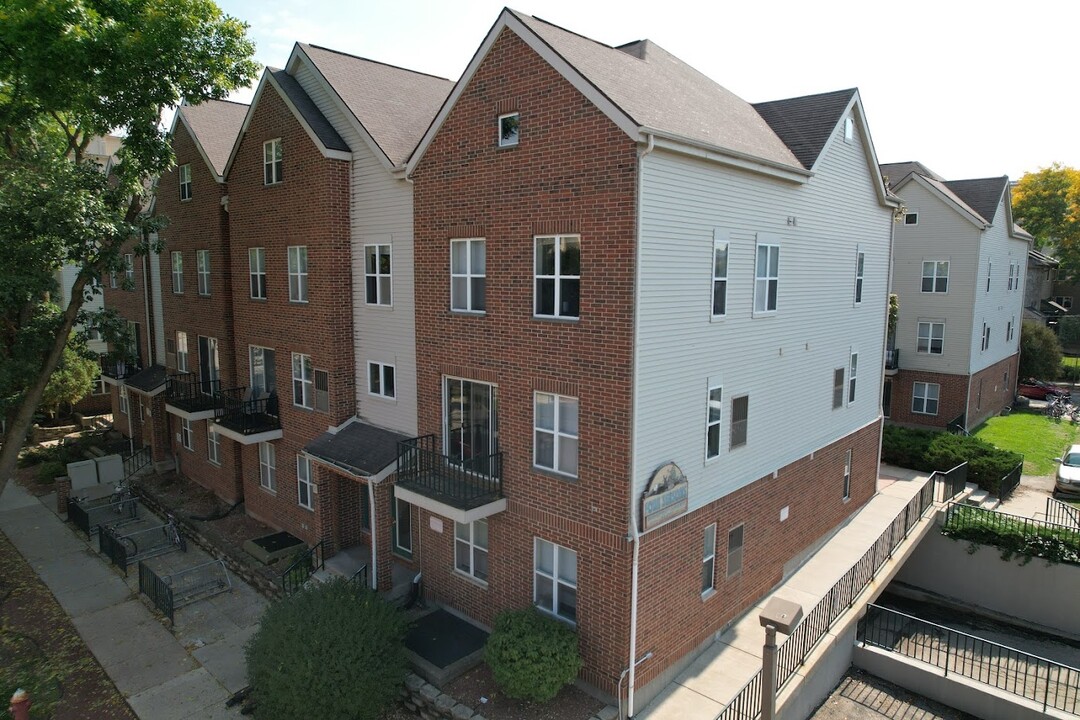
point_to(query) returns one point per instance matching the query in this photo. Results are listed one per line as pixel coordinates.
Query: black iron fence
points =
(463, 483)
(746, 705)
(298, 572)
(958, 425)
(118, 368)
(1020, 534)
(90, 515)
(892, 359)
(1049, 683)
(1063, 514)
(124, 548)
(186, 391)
(248, 415)
(1010, 481)
(137, 461)
(155, 588)
(360, 577)
(952, 482)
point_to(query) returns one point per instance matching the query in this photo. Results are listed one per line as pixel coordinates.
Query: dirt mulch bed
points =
(41, 651)
(570, 704)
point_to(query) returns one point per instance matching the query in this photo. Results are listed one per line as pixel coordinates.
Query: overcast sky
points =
(971, 88)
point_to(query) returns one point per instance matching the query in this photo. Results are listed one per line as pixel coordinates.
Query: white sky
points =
(971, 88)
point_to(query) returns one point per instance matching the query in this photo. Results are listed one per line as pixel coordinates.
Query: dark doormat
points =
(445, 643)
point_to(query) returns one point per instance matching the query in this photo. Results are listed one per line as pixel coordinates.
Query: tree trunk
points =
(19, 425)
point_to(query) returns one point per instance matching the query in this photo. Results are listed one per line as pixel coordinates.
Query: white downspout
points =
(374, 536)
(636, 534)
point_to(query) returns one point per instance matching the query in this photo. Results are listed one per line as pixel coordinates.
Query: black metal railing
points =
(952, 482)
(746, 704)
(136, 461)
(187, 392)
(1063, 514)
(1010, 481)
(246, 415)
(892, 359)
(302, 568)
(1036, 537)
(360, 577)
(958, 425)
(464, 484)
(118, 368)
(88, 516)
(1035, 678)
(157, 589)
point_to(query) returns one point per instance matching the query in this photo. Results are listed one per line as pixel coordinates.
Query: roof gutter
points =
(726, 156)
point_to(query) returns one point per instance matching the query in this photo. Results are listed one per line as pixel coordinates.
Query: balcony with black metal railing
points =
(464, 489)
(892, 362)
(118, 368)
(194, 399)
(248, 417)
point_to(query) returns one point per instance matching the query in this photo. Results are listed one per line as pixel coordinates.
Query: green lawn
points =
(1038, 437)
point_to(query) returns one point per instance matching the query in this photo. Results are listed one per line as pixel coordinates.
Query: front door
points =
(402, 528)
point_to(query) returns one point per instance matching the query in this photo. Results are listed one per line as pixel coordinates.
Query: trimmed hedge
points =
(1013, 537)
(532, 656)
(929, 450)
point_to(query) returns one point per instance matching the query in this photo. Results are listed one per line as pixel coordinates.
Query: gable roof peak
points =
(214, 126)
(361, 58)
(806, 123)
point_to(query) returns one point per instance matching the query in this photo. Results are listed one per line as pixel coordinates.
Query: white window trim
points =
(300, 275)
(847, 477)
(849, 129)
(914, 214)
(202, 271)
(709, 559)
(925, 397)
(931, 324)
(556, 278)
(731, 425)
(839, 390)
(721, 241)
(853, 371)
(306, 380)
(257, 269)
(860, 275)
(181, 342)
(378, 275)
(556, 581)
(499, 131)
(718, 423)
(177, 261)
(125, 407)
(473, 547)
(989, 273)
(469, 276)
(184, 175)
(381, 368)
(213, 444)
(187, 435)
(268, 467)
(558, 435)
(934, 263)
(303, 462)
(771, 246)
(275, 164)
(129, 266)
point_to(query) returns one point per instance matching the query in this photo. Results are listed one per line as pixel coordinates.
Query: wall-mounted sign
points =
(665, 498)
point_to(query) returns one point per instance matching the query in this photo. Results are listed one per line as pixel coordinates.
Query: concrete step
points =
(990, 503)
(977, 497)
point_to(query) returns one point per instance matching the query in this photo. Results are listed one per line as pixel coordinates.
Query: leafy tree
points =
(1069, 331)
(332, 650)
(71, 70)
(1040, 351)
(73, 378)
(1047, 204)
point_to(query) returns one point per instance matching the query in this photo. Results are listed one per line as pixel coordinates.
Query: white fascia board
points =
(507, 20)
(724, 156)
(298, 57)
(326, 152)
(945, 199)
(449, 511)
(198, 144)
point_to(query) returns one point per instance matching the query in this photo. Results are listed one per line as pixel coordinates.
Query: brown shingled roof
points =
(394, 105)
(215, 125)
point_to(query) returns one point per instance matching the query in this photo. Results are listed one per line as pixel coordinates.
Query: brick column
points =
(159, 427)
(326, 508)
(383, 517)
(63, 491)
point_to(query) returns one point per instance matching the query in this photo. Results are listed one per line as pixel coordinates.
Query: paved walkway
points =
(186, 673)
(710, 682)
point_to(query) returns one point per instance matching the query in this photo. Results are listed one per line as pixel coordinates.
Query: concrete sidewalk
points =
(703, 689)
(186, 673)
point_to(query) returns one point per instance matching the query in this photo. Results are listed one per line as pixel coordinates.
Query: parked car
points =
(1067, 481)
(1038, 390)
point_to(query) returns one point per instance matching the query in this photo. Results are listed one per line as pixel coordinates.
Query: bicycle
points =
(172, 533)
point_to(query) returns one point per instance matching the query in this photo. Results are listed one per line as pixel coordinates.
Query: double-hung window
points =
(860, 273)
(708, 560)
(838, 388)
(381, 380)
(303, 482)
(468, 275)
(719, 273)
(202, 269)
(184, 173)
(186, 436)
(931, 338)
(298, 279)
(924, 398)
(177, 272)
(847, 476)
(989, 269)
(555, 580)
(556, 433)
(124, 407)
(712, 422)
(267, 466)
(322, 390)
(213, 444)
(735, 550)
(272, 162)
(1009, 329)
(471, 549)
(377, 274)
(257, 272)
(985, 337)
(853, 371)
(181, 351)
(129, 267)
(303, 381)
(766, 278)
(935, 276)
(740, 417)
(557, 276)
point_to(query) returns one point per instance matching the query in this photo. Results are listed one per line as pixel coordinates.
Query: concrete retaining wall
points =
(982, 579)
(427, 701)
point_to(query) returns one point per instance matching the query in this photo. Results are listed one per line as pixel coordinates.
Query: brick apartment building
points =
(583, 330)
(652, 330)
(959, 264)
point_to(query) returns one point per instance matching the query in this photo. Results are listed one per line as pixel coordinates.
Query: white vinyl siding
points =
(766, 278)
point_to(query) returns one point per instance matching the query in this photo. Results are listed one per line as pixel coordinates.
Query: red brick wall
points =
(952, 398)
(573, 171)
(131, 304)
(310, 207)
(995, 393)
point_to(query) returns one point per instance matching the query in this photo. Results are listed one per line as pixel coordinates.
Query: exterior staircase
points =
(974, 495)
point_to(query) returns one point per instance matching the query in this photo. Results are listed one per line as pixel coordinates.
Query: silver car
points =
(1068, 472)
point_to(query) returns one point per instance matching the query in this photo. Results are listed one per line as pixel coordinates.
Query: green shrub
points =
(531, 655)
(332, 650)
(35, 455)
(50, 469)
(929, 450)
(1013, 537)
(1069, 373)
(906, 447)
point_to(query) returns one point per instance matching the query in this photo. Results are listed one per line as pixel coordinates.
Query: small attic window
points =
(911, 218)
(849, 129)
(508, 129)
